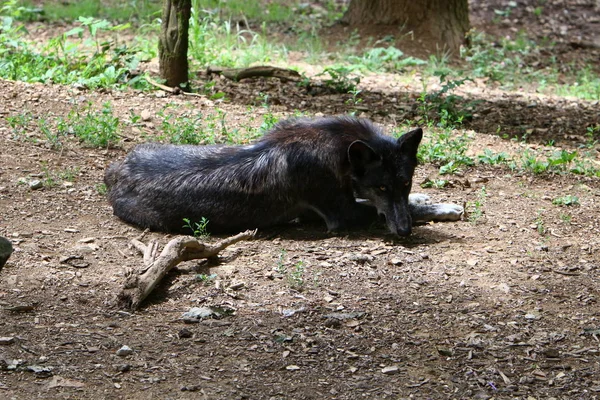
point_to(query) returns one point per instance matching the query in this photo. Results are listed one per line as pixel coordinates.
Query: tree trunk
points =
(438, 24)
(173, 42)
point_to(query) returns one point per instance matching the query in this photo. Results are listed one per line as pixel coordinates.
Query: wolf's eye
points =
(407, 183)
(382, 188)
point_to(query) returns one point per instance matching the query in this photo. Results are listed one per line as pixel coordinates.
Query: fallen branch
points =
(173, 90)
(138, 285)
(237, 74)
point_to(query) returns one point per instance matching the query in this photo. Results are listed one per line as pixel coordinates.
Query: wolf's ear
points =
(409, 142)
(362, 156)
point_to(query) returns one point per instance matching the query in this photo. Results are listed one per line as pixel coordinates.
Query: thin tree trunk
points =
(442, 23)
(173, 42)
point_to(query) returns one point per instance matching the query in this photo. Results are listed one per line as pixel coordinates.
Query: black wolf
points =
(326, 165)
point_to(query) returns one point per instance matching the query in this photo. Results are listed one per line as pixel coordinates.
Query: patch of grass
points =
(101, 189)
(54, 178)
(137, 11)
(446, 149)
(489, 157)
(294, 275)
(566, 218)
(501, 59)
(95, 128)
(379, 59)
(450, 114)
(568, 200)
(86, 61)
(221, 42)
(199, 229)
(340, 79)
(18, 123)
(585, 85)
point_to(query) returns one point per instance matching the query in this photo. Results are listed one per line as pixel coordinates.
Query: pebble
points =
(392, 369)
(7, 340)
(124, 351)
(35, 184)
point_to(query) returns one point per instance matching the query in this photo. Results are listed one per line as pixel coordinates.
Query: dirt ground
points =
(503, 308)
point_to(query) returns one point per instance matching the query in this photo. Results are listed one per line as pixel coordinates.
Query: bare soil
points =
(505, 307)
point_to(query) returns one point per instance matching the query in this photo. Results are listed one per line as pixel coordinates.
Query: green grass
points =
(447, 150)
(134, 11)
(222, 42)
(95, 128)
(475, 207)
(77, 56)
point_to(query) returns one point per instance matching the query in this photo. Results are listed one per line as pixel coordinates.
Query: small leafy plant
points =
(340, 79)
(96, 128)
(476, 207)
(568, 200)
(199, 229)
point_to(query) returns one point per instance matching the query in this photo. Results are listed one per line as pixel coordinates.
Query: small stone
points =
(396, 261)
(7, 340)
(146, 115)
(123, 367)
(124, 351)
(292, 368)
(392, 369)
(35, 184)
(237, 285)
(185, 333)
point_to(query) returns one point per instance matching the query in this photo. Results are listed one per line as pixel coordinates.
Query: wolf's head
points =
(382, 174)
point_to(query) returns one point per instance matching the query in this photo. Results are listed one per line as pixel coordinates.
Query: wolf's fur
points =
(322, 165)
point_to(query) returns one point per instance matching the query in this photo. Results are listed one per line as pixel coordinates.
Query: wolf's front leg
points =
(421, 209)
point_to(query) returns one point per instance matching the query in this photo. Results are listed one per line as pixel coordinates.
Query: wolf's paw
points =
(448, 212)
(419, 198)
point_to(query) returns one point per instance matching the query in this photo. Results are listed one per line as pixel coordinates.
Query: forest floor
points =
(503, 306)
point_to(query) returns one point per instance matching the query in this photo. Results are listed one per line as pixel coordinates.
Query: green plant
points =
(101, 189)
(447, 150)
(390, 58)
(475, 207)
(592, 133)
(447, 105)
(53, 136)
(539, 223)
(184, 129)
(63, 61)
(295, 275)
(206, 279)
(566, 218)
(92, 127)
(341, 79)
(568, 200)
(490, 158)
(19, 123)
(219, 42)
(437, 183)
(199, 229)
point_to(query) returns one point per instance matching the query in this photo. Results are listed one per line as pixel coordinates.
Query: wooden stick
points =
(237, 74)
(139, 285)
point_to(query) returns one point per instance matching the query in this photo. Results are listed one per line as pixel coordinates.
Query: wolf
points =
(344, 169)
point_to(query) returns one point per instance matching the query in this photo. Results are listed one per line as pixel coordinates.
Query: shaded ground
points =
(505, 307)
